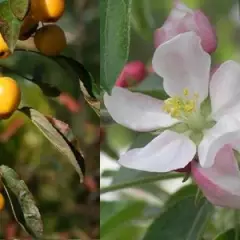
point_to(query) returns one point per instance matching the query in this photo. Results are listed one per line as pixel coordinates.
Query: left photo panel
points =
(49, 119)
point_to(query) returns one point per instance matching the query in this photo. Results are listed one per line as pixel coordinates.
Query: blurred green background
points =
(69, 209)
(126, 214)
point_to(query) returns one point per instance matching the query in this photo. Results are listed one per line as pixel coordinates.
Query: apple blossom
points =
(221, 182)
(199, 117)
(183, 19)
(133, 73)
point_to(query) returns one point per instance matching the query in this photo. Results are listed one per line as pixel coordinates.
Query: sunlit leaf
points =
(19, 8)
(9, 25)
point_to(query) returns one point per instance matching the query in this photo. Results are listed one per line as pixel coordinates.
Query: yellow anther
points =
(175, 113)
(181, 107)
(189, 107)
(185, 92)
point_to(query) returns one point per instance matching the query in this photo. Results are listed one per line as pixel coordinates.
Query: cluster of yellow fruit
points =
(2, 202)
(50, 40)
(45, 11)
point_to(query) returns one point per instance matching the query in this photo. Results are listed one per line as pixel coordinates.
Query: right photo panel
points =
(170, 120)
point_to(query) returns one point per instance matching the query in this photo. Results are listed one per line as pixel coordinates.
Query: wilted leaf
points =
(19, 8)
(57, 139)
(93, 102)
(62, 127)
(32, 222)
(9, 25)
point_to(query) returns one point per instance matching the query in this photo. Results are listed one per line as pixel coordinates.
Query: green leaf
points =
(230, 234)
(115, 39)
(31, 221)
(186, 191)
(78, 71)
(43, 71)
(142, 19)
(120, 217)
(152, 85)
(79, 74)
(126, 232)
(19, 8)
(47, 88)
(63, 145)
(9, 25)
(182, 221)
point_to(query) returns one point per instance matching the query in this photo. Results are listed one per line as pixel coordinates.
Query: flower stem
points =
(236, 223)
(140, 181)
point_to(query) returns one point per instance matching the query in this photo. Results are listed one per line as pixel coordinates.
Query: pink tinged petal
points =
(221, 182)
(225, 89)
(137, 111)
(167, 152)
(170, 27)
(183, 19)
(226, 131)
(133, 73)
(183, 64)
(199, 23)
(178, 12)
(205, 31)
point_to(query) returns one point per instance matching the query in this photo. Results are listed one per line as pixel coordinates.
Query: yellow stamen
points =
(185, 92)
(181, 107)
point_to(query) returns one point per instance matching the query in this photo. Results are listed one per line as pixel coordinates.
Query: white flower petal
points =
(177, 13)
(168, 151)
(225, 89)
(221, 182)
(226, 131)
(183, 63)
(137, 111)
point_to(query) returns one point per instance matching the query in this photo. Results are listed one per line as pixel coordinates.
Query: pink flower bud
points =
(133, 73)
(183, 19)
(220, 183)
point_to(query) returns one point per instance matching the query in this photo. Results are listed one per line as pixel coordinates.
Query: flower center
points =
(181, 107)
(194, 119)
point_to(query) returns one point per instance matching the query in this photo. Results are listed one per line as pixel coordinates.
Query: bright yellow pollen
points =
(181, 107)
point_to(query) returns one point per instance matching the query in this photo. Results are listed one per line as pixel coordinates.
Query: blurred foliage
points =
(69, 209)
(155, 210)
